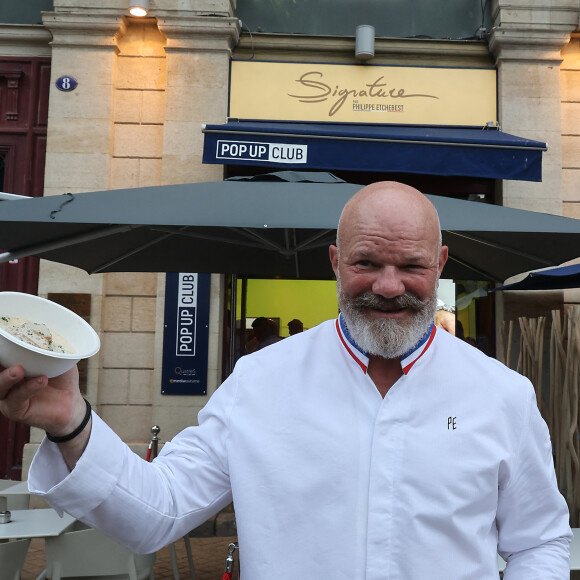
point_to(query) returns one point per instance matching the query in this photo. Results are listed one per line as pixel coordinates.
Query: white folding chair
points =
(17, 500)
(6, 483)
(88, 552)
(12, 556)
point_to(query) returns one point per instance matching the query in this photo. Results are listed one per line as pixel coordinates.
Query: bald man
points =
(372, 446)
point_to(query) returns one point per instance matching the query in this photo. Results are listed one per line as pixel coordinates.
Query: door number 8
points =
(66, 83)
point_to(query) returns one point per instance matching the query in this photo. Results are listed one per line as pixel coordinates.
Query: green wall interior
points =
(311, 301)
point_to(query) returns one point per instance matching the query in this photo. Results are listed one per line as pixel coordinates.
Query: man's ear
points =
(333, 252)
(443, 255)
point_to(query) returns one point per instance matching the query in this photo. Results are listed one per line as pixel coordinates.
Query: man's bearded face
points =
(386, 337)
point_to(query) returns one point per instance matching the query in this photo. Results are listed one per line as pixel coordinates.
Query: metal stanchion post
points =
(153, 448)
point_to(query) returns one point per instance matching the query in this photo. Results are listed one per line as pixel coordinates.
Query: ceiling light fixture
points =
(139, 8)
(364, 42)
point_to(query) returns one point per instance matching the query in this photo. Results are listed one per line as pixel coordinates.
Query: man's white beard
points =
(386, 338)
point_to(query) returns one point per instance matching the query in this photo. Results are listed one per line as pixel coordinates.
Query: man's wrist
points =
(76, 432)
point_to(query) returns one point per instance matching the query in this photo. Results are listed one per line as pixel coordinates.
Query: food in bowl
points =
(36, 334)
(49, 339)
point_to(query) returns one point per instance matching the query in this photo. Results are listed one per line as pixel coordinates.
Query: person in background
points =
(374, 445)
(459, 332)
(444, 317)
(295, 326)
(265, 334)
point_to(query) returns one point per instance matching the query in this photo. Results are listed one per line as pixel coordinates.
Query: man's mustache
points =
(368, 300)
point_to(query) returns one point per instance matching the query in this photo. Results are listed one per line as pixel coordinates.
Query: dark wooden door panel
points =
(24, 87)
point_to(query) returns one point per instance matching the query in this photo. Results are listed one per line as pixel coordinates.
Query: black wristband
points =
(76, 432)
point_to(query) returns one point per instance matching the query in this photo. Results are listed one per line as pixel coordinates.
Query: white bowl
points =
(38, 361)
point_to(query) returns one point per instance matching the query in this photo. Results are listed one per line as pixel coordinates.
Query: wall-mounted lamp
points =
(365, 42)
(138, 7)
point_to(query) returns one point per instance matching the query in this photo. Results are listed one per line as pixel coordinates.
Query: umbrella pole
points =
(233, 308)
(243, 308)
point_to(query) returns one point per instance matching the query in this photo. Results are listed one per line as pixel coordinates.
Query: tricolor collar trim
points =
(409, 359)
(362, 358)
(355, 352)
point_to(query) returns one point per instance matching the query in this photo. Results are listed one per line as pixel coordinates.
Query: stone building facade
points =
(146, 86)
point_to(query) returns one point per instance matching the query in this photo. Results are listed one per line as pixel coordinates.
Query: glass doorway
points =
(314, 301)
(280, 301)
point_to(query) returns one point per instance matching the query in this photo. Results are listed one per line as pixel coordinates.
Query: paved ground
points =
(209, 556)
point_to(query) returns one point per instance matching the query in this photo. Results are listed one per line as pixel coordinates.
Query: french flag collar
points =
(362, 358)
(411, 357)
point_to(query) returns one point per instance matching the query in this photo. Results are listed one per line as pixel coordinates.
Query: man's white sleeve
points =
(532, 516)
(143, 505)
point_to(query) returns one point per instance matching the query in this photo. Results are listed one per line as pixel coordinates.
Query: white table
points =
(40, 523)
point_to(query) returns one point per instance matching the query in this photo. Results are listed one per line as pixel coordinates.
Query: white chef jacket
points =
(330, 480)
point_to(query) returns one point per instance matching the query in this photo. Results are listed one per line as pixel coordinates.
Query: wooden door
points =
(24, 84)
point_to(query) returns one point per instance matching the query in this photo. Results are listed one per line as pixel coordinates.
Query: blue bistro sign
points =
(186, 333)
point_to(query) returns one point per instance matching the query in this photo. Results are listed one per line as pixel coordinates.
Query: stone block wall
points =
(570, 99)
(144, 89)
(526, 41)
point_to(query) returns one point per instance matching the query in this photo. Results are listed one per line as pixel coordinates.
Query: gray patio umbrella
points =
(259, 229)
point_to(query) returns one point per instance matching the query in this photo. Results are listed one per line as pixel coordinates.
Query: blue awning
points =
(468, 152)
(558, 278)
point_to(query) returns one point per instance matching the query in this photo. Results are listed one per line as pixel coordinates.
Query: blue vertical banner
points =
(186, 334)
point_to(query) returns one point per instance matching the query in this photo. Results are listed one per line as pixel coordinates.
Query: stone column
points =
(198, 55)
(80, 122)
(79, 139)
(526, 41)
(80, 130)
(198, 49)
(570, 92)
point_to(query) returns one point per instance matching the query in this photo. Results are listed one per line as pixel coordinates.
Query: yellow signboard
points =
(362, 93)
